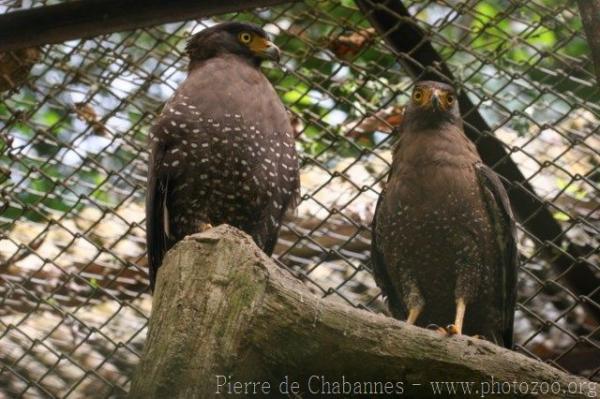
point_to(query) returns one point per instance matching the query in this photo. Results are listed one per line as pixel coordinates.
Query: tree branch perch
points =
(223, 308)
(590, 16)
(88, 18)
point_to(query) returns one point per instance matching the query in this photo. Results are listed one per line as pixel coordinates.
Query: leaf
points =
(86, 112)
(298, 96)
(561, 216)
(350, 45)
(94, 283)
(50, 118)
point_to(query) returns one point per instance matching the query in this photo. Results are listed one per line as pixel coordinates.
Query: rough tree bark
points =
(223, 308)
(590, 16)
(70, 20)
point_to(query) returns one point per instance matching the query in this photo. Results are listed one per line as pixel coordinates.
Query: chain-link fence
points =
(73, 133)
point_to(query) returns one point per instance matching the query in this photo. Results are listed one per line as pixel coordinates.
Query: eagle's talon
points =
(204, 227)
(452, 329)
(438, 329)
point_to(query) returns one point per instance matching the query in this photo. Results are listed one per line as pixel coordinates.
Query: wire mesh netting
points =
(73, 133)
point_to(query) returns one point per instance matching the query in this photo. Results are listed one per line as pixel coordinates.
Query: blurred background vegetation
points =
(91, 105)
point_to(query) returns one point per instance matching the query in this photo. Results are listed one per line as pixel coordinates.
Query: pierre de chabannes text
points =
(321, 385)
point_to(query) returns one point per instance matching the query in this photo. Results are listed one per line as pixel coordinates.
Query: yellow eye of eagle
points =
(449, 99)
(245, 37)
(418, 95)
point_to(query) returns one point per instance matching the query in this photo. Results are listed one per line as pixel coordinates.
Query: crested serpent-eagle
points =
(222, 150)
(444, 247)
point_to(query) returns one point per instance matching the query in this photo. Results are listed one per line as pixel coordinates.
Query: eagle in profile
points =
(222, 150)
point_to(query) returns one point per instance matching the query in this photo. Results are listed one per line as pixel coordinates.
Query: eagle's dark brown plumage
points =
(444, 248)
(222, 150)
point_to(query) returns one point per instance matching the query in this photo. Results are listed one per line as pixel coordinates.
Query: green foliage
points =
(62, 159)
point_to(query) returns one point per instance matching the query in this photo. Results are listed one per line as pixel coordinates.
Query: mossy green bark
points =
(223, 308)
